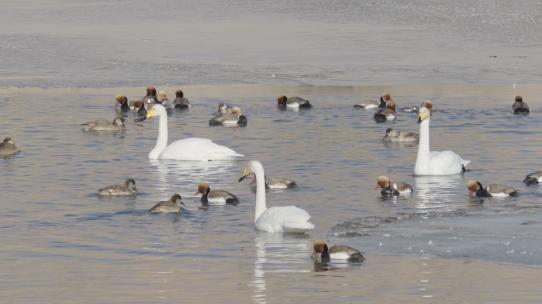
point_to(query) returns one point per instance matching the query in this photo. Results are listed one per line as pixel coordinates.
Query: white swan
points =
(435, 162)
(201, 149)
(275, 219)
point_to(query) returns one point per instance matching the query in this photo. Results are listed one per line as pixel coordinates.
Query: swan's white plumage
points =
(435, 162)
(284, 219)
(289, 219)
(195, 149)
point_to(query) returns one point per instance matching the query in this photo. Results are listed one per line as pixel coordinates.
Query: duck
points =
(139, 108)
(493, 190)
(396, 136)
(128, 189)
(164, 101)
(386, 114)
(195, 149)
(520, 107)
(150, 98)
(390, 189)
(7, 147)
(215, 197)
(533, 178)
(122, 103)
(229, 119)
(322, 254)
(180, 102)
(287, 219)
(174, 205)
(367, 105)
(223, 108)
(105, 125)
(373, 104)
(275, 183)
(410, 109)
(293, 102)
(435, 162)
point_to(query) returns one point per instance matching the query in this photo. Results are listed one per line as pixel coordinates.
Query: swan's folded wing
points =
(294, 219)
(198, 149)
(447, 162)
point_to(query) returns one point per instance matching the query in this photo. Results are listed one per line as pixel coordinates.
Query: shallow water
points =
(64, 244)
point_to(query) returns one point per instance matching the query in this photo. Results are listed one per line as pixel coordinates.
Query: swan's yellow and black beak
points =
(150, 113)
(245, 174)
(421, 117)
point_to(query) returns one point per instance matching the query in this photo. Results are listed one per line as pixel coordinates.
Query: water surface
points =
(64, 244)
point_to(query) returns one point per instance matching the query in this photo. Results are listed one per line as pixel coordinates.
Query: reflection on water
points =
(171, 171)
(277, 253)
(434, 192)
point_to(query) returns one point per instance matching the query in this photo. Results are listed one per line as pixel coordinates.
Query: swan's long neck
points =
(161, 141)
(261, 204)
(424, 153)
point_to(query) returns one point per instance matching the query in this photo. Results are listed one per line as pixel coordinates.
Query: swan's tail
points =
(464, 164)
(297, 227)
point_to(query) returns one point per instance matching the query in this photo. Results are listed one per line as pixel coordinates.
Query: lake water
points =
(63, 63)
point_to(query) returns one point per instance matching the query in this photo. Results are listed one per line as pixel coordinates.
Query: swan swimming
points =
(435, 162)
(289, 219)
(201, 149)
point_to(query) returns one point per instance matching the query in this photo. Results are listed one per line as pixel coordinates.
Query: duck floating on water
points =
(150, 98)
(322, 254)
(105, 125)
(7, 147)
(229, 119)
(180, 102)
(373, 104)
(387, 113)
(398, 136)
(173, 205)
(127, 189)
(390, 189)
(294, 102)
(275, 183)
(215, 197)
(493, 190)
(122, 104)
(534, 178)
(520, 107)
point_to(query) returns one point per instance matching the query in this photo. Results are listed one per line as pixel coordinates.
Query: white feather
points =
(339, 256)
(195, 149)
(435, 162)
(289, 219)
